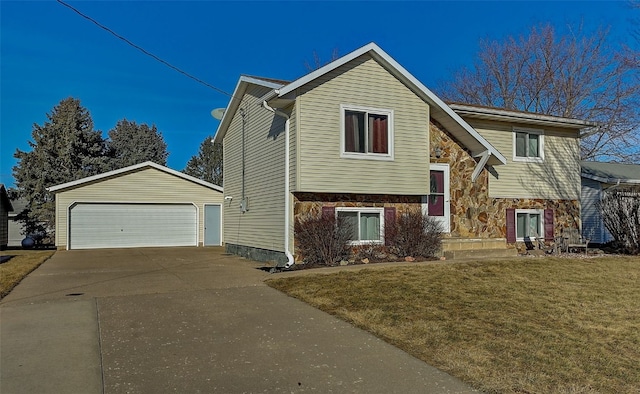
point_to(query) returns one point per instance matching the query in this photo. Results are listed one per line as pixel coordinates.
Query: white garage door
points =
(94, 226)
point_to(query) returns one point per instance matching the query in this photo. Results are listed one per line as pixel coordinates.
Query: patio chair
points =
(572, 240)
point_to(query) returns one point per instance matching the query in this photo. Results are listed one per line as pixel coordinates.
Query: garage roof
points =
(125, 170)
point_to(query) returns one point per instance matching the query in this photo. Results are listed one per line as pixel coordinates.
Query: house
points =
(142, 205)
(597, 178)
(16, 227)
(5, 208)
(363, 138)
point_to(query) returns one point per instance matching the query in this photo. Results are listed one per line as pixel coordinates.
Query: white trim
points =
(77, 202)
(390, 134)
(509, 115)
(236, 99)
(379, 211)
(540, 134)
(204, 221)
(446, 218)
(123, 171)
(529, 211)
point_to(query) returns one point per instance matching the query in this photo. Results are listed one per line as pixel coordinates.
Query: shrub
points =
(414, 234)
(621, 214)
(322, 240)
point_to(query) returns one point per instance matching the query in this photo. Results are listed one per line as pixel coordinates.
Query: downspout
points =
(287, 203)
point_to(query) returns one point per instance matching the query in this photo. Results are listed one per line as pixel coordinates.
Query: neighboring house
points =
(363, 139)
(597, 178)
(142, 205)
(5, 208)
(16, 227)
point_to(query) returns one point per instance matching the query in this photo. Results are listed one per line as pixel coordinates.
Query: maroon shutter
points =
(328, 212)
(511, 226)
(389, 225)
(548, 225)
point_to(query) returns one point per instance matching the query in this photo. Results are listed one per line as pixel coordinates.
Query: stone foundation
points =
(310, 204)
(256, 254)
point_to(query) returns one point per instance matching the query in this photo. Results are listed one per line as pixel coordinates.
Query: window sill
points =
(365, 243)
(528, 159)
(366, 156)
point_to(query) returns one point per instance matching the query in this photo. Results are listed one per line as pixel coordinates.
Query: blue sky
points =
(48, 53)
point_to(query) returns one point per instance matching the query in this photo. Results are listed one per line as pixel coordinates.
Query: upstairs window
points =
(367, 133)
(528, 145)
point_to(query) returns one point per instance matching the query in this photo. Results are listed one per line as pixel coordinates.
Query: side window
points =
(528, 145)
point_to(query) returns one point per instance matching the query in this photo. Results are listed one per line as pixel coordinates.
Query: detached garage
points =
(145, 205)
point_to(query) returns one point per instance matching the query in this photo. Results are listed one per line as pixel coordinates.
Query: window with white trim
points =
(366, 224)
(529, 223)
(528, 145)
(366, 133)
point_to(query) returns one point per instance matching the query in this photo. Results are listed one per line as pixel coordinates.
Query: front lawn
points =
(530, 325)
(19, 263)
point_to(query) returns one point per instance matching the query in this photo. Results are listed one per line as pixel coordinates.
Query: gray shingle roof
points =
(611, 172)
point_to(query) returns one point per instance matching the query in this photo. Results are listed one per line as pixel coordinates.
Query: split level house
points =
(364, 139)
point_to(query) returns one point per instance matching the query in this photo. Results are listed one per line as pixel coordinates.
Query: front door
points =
(438, 201)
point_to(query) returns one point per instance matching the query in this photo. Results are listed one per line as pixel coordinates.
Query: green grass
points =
(19, 266)
(522, 326)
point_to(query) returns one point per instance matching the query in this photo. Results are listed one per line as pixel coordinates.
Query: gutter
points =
(287, 200)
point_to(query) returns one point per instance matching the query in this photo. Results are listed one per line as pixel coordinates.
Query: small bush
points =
(414, 234)
(322, 240)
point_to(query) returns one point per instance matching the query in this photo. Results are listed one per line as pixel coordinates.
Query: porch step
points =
(463, 248)
(480, 254)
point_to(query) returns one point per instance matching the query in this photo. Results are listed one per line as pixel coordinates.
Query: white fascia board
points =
(610, 180)
(134, 167)
(529, 117)
(399, 71)
(236, 99)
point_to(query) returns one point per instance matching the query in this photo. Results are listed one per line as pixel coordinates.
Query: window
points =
(366, 223)
(529, 223)
(367, 133)
(528, 145)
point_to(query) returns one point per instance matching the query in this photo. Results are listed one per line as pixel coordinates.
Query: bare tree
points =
(620, 208)
(318, 62)
(574, 75)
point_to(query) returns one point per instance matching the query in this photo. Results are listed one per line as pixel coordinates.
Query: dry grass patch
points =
(19, 266)
(522, 326)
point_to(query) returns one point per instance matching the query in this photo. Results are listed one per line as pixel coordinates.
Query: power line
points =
(103, 27)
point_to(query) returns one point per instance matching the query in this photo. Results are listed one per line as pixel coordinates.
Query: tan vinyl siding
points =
(262, 226)
(365, 83)
(557, 177)
(145, 185)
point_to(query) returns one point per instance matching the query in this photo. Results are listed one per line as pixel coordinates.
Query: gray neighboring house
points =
(596, 179)
(16, 227)
(5, 208)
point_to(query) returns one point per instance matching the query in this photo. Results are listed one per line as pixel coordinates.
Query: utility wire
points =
(200, 81)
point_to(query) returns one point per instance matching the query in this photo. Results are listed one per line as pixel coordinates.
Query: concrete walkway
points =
(186, 320)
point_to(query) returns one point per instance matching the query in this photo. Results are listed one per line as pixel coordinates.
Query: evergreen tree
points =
(130, 143)
(207, 165)
(64, 149)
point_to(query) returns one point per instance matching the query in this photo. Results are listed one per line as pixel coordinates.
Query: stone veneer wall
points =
(473, 213)
(310, 204)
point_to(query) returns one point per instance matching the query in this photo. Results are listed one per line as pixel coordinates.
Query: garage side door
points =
(132, 225)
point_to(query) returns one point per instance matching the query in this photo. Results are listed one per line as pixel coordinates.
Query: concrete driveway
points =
(186, 320)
